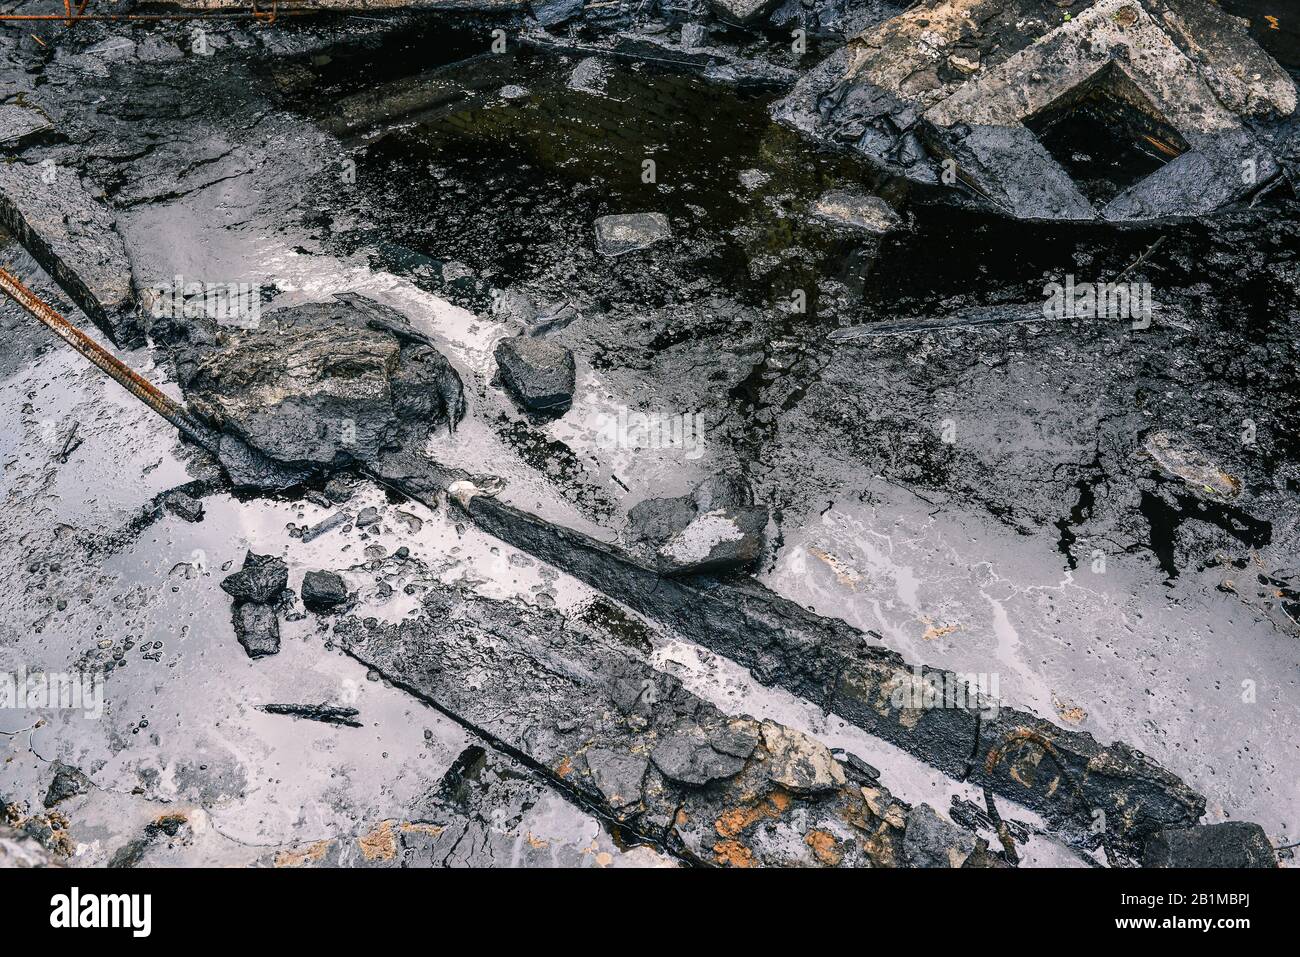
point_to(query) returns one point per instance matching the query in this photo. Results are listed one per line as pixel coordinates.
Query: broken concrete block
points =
(71, 234)
(323, 591)
(1180, 93)
(540, 374)
(68, 782)
(861, 212)
(257, 629)
(1230, 844)
(617, 235)
(183, 506)
(261, 580)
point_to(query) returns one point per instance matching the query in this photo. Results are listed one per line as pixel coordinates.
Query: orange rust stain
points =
(733, 854)
(537, 842)
(738, 819)
(433, 830)
(825, 848)
(380, 844)
(300, 857)
(565, 768)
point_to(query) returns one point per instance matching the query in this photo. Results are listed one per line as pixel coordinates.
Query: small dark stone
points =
(1230, 844)
(257, 628)
(261, 580)
(338, 489)
(540, 374)
(323, 591)
(68, 782)
(183, 506)
(367, 517)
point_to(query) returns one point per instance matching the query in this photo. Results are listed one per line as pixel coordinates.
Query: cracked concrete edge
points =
(1067, 776)
(72, 235)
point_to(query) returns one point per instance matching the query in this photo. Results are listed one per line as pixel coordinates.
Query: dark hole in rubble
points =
(1106, 134)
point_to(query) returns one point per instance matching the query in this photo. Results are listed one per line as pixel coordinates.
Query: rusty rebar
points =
(163, 405)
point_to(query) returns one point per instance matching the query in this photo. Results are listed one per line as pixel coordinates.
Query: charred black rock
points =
(324, 713)
(257, 628)
(323, 591)
(183, 506)
(714, 529)
(538, 373)
(1230, 844)
(261, 579)
(68, 782)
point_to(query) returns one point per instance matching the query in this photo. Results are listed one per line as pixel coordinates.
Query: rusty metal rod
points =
(165, 406)
(155, 17)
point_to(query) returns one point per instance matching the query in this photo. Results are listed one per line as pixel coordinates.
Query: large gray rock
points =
(714, 529)
(933, 841)
(72, 234)
(859, 212)
(629, 232)
(552, 12)
(323, 385)
(540, 374)
(1230, 844)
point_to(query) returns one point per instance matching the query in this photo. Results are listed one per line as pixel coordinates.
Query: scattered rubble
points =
(597, 721)
(932, 97)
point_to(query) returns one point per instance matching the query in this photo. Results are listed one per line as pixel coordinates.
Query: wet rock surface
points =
(1230, 844)
(538, 373)
(939, 485)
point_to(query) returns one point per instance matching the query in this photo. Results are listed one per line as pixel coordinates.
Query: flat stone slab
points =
(18, 123)
(72, 234)
(625, 233)
(596, 719)
(859, 212)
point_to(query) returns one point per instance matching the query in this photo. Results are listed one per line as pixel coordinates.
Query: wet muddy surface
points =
(1095, 516)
